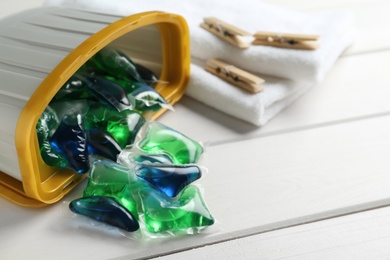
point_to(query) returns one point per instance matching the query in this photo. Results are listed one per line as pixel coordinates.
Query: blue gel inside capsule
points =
(169, 179)
(105, 209)
(102, 144)
(188, 211)
(153, 158)
(110, 92)
(146, 74)
(141, 96)
(70, 141)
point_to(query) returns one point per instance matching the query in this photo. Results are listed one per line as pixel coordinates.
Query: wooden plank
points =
(328, 102)
(274, 182)
(252, 186)
(364, 235)
(353, 89)
(320, 169)
(341, 104)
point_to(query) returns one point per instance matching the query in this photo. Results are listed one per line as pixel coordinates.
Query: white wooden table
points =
(312, 184)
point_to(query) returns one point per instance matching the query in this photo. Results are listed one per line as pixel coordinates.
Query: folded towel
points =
(254, 108)
(297, 70)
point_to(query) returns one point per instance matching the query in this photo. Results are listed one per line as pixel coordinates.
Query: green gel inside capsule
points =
(45, 128)
(164, 151)
(113, 180)
(162, 214)
(105, 209)
(115, 63)
(122, 126)
(144, 96)
(161, 139)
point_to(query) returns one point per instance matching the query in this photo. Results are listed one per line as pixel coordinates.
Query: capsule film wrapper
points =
(40, 49)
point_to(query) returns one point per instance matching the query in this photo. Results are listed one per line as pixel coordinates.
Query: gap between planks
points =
(297, 129)
(349, 237)
(320, 196)
(364, 208)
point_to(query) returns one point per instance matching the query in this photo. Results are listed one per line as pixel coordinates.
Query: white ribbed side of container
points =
(32, 44)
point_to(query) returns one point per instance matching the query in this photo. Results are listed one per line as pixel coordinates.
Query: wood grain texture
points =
(252, 186)
(324, 156)
(349, 92)
(359, 236)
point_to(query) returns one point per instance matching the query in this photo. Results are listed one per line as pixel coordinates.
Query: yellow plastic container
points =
(39, 51)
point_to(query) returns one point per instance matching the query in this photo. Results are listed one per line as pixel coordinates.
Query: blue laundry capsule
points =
(70, 141)
(146, 74)
(153, 158)
(147, 99)
(140, 96)
(102, 144)
(109, 92)
(106, 210)
(46, 126)
(169, 179)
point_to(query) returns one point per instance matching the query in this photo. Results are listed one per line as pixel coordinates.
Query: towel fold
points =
(288, 73)
(254, 108)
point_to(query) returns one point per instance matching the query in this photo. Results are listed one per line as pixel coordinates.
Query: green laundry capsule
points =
(115, 63)
(122, 126)
(74, 88)
(105, 209)
(161, 139)
(113, 180)
(162, 214)
(46, 126)
(170, 179)
(152, 178)
(62, 107)
(144, 96)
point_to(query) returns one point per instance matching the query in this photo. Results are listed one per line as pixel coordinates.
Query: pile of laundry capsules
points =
(140, 171)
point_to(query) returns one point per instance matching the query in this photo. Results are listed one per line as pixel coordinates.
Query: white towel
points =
(297, 70)
(254, 108)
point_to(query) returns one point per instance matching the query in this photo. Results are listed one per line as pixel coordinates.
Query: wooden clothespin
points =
(286, 40)
(225, 31)
(234, 75)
